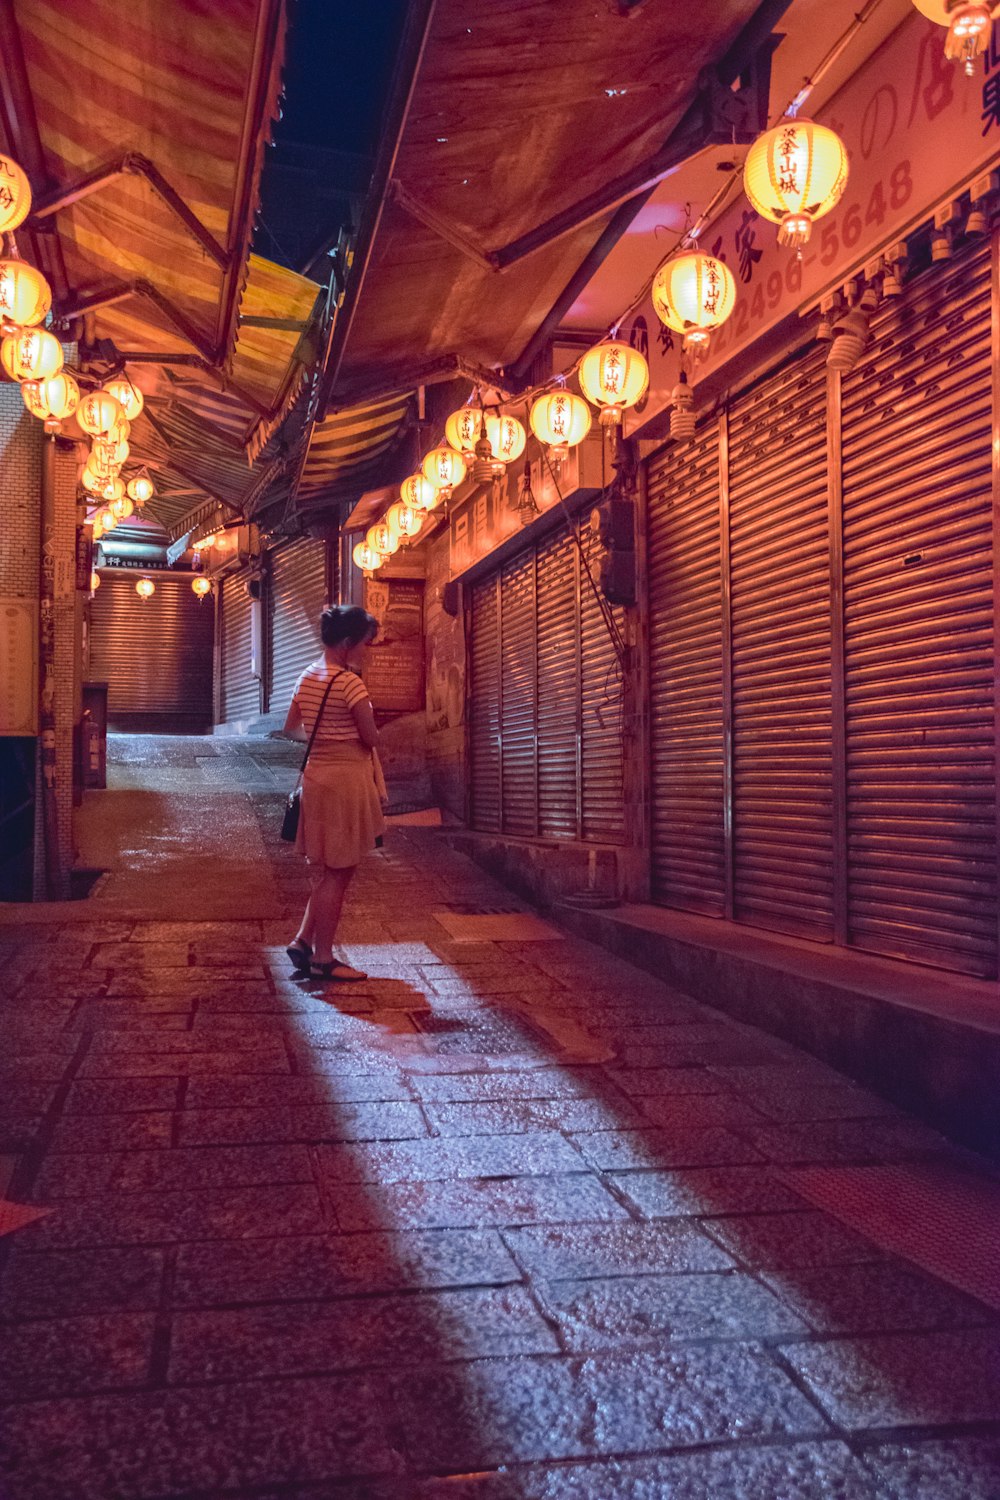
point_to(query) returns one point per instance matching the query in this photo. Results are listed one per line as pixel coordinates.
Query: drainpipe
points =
(47, 672)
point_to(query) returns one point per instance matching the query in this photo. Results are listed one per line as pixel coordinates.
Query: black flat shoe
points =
(300, 954)
(337, 970)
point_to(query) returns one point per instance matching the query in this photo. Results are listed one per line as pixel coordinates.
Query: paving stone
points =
(248, 1093)
(719, 1190)
(197, 932)
(847, 1140)
(168, 955)
(517, 1116)
(340, 1264)
(355, 1333)
(837, 1103)
(537, 1083)
(451, 1158)
(547, 1409)
(148, 1064)
(169, 1218)
(611, 1150)
(428, 1205)
(162, 1171)
(960, 1468)
(651, 1082)
(791, 1240)
(241, 1040)
(69, 1356)
(880, 1298)
(305, 1122)
(32, 1067)
(210, 1440)
(625, 1312)
(127, 1096)
(112, 1132)
(60, 1283)
(584, 1250)
(698, 1111)
(904, 1380)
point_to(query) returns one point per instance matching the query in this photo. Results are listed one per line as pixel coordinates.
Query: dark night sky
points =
(337, 69)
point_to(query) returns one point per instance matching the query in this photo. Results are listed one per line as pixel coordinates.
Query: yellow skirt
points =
(341, 814)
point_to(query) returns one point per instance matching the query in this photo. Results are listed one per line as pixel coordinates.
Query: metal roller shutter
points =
(240, 689)
(518, 698)
(484, 704)
(297, 596)
(155, 655)
(686, 676)
(559, 816)
(779, 580)
(601, 728)
(918, 633)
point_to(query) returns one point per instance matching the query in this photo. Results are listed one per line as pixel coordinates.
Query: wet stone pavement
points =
(508, 1219)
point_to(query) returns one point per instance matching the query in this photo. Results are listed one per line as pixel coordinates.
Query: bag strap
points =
(317, 723)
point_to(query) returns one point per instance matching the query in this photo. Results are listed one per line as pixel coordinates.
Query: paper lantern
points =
(128, 396)
(145, 588)
(693, 294)
(31, 354)
(560, 420)
(107, 518)
(98, 413)
(122, 507)
(107, 457)
(366, 558)
(113, 490)
(463, 428)
(613, 376)
(404, 520)
(445, 468)
(91, 481)
(968, 23)
(507, 439)
(97, 529)
(795, 174)
(382, 539)
(140, 488)
(25, 295)
(15, 194)
(52, 399)
(201, 587)
(419, 493)
(95, 581)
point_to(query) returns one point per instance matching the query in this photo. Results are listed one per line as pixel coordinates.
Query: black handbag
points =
(293, 807)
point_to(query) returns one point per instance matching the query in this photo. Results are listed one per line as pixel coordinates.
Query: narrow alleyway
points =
(508, 1219)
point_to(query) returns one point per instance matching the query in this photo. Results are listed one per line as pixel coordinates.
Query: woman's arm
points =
(293, 723)
(364, 721)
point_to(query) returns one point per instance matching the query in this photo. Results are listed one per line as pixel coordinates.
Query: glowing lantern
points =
(419, 493)
(128, 396)
(145, 588)
(445, 468)
(366, 558)
(693, 294)
(507, 439)
(968, 23)
(92, 482)
(98, 529)
(140, 489)
(15, 194)
(560, 420)
(95, 581)
(25, 295)
(613, 376)
(122, 507)
(31, 354)
(52, 399)
(382, 539)
(404, 520)
(98, 413)
(794, 174)
(464, 428)
(106, 457)
(107, 519)
(201, 586)
(113, 490)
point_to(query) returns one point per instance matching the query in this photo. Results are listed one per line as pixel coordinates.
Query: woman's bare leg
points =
(326, 904)
(308, 923)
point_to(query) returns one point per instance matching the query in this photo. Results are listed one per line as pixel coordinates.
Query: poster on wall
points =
(18, 667)
(394, 666)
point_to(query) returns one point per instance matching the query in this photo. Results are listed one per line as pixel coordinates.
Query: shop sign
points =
(18, 667)
(916, 130)
(394, 665)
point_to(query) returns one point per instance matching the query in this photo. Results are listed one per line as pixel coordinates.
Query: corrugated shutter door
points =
(296, 599)
(558, 689)
(919, 662)
(518, 697)
(685, 656)
(155, 655)
(484, 705)
(601, 713)
(240, 690)
(780, 613)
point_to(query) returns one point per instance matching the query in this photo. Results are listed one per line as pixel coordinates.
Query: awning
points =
(347, 446)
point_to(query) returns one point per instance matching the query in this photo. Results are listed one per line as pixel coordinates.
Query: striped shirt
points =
(337, 726)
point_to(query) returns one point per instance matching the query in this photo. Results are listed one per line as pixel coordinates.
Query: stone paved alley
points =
(510, 1210)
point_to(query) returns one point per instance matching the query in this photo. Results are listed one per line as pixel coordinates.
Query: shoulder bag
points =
(293, 807)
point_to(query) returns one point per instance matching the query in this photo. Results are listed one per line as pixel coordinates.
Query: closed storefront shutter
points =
(779, 572)
(484, 704)
(685, 666)
(918, 637)
(297, 596)
(155, 654)
(546, 701)
(240, 689)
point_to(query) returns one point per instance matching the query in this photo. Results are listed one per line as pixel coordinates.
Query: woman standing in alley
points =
(341, 808)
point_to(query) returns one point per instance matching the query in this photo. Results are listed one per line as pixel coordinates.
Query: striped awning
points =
(349, 445)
